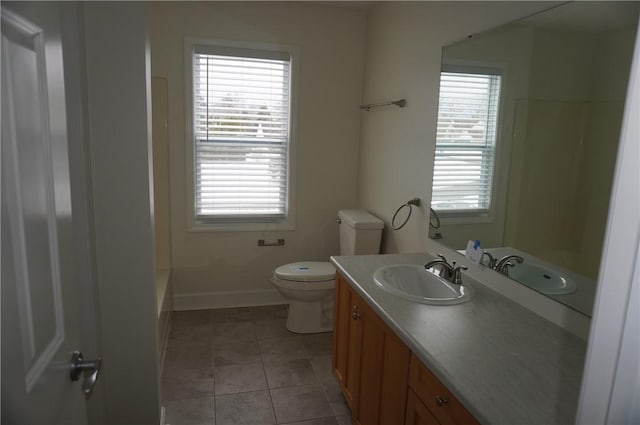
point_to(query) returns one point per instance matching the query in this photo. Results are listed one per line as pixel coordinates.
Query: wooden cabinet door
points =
(366, 407)
(340, 331)
(384, 369)
(417, 412)
(346, 340)
(395, 379)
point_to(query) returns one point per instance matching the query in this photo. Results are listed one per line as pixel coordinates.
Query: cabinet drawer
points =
(417, 412)
(435, 396)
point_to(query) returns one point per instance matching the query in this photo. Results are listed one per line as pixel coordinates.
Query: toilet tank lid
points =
(360, 219)
(307, 271)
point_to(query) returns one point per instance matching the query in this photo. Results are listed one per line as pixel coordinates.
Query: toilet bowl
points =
(308, 286)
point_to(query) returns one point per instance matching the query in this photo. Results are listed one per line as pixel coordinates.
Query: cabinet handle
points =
(355, 315)
(441, 401)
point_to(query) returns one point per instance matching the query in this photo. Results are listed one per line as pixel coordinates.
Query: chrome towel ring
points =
(434, 220)
(409, 204)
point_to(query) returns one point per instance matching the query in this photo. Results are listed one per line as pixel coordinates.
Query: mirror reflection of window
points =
(466, 141)
(564, 82)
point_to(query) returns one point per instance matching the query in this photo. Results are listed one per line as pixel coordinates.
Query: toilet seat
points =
(309, 287)
(307, 271)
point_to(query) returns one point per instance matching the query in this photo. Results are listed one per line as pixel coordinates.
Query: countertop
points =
(505, 364)
(581, 300)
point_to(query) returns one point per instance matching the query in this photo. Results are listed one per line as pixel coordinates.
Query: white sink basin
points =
(414, 283)
(542, 279)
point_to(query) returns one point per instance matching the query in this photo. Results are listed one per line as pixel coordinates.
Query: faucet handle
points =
(439, 268)
(492, 259)
(506, 266)
(443, 258)
(456, 276)
(508, 261)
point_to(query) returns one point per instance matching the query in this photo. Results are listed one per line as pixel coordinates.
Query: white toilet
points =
(308, 285)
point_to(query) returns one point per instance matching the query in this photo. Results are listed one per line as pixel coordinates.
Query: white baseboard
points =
(207, 300)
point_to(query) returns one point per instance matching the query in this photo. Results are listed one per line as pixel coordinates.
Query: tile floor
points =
(242, 366)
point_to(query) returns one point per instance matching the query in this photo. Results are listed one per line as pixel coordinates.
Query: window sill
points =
(240, 227)
(480, 218)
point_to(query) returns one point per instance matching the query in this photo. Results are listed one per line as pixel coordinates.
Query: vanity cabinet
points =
(417, 412)
(347, 337)
(430, 394)
(382, 381)
(370, 362)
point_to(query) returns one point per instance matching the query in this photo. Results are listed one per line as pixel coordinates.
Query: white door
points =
(40, 319)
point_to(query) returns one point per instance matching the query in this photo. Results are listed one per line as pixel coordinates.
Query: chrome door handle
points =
(91, 369)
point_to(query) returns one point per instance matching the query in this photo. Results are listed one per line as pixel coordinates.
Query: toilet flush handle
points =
(338, 220)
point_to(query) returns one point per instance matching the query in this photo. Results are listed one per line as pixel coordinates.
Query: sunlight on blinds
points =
(241, 129)
(465, 141)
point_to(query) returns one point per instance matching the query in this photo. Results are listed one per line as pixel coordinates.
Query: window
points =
(465, 142)
(241, 134)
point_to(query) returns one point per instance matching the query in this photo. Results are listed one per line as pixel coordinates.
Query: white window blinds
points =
(465, 141)
(241, 134)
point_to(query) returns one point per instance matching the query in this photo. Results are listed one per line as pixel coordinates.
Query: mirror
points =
(528, 126)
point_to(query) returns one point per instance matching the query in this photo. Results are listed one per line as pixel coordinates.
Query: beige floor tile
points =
(188, 357)
(244, 408)
(194, 411)
(269, 312)
(272, 329)
(344, 419)
(290, 373)
(340, 407)
(322, 367)
(190, 334)
(178, 385)
(293, 404)
(230, 352)
(331, 420)
(233, 331)
(318, 344)
(239, 378)
(289, 348)
(236, 354)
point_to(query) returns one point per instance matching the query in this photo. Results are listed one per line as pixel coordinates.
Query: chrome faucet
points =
(442, 268)
(456, 276)
(492, 260)
(505, 262)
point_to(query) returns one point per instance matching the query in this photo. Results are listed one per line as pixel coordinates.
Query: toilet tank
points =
(360, 232)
